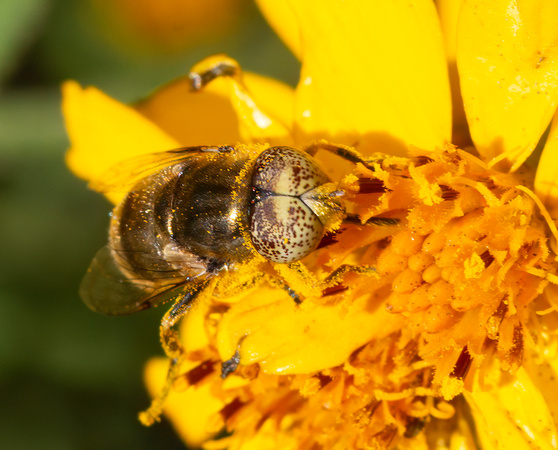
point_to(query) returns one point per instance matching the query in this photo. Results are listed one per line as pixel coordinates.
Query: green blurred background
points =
(70, 378)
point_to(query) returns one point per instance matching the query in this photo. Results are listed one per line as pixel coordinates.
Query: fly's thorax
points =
(211, 207)
(293, 204)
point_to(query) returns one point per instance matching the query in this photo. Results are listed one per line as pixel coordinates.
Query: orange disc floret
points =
(457, 274)
(471, 258)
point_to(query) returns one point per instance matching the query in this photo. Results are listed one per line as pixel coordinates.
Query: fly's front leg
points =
(211, 68)
(302, 283)
(173, 349)
(282, 284)
(344, 151)
(298, 281)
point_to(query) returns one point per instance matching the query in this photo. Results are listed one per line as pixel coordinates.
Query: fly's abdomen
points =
(185, 220)
(211, 215)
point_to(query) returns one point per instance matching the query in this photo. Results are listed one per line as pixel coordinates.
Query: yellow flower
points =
(453, 344)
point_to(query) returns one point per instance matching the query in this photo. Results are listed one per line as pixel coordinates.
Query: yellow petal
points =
(266, 438)
(543, 371)
(211, 116)
(453, 434)
(374, 74)
(189, 411)
(274, 97)
(103, 131)
(255, 124)
(512, 415)
(285, 338)
(193, 118)
(193, 327)
(448, 11)
(282, 18)
(546, 181)
(507, 55)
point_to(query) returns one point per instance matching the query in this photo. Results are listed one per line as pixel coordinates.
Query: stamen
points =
(332, 290)
(473, 159)
(198, 373)
(490, 198)
(371, 186)
(462, 365)
(405, 393)
(324, 380)
(422, 160)
(329, 239)
(487, 258)
(229, 409)
(448, 193)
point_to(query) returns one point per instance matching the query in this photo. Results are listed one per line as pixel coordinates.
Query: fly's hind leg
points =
(211, 68)
(221, 66)
(301, 283)
(173, 349)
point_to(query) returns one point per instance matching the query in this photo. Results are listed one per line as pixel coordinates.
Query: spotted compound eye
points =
(283, 228)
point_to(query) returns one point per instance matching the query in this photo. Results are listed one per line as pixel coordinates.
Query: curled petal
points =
(274, 97)
(365, 81)
(104, 132)
(224, 112)
(255, 125)
(507, 55)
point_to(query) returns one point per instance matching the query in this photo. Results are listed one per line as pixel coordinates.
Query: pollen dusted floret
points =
(465, 259)
(378, 397)
(463, 270)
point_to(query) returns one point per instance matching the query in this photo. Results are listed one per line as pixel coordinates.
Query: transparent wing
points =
(110, 288)
(122, 176)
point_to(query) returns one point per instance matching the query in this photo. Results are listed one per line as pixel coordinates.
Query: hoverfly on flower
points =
(194, 213)
(453, 331)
